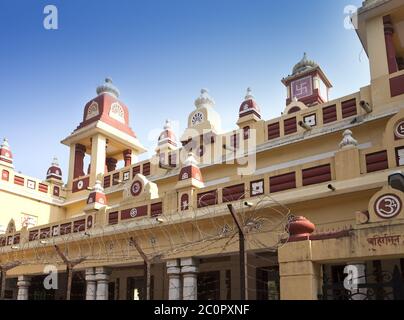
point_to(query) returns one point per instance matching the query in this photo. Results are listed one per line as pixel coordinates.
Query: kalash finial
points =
(249, 95)
(55, 161)
(348, 140)
(204, 99)
(108, 87)
(5, 143)
(167, 125)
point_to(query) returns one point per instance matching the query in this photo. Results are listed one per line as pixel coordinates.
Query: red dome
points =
(54, 171)
(167, 136)
(249, 106)
(5, 152)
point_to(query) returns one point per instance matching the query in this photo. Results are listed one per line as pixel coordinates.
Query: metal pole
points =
(3, 284)
(147, 265)
(69, 281)
(242, 253)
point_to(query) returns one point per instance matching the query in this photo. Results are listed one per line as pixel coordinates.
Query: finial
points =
(190, 160)
(304, 65)
(5, 144)
(204, 99)
(55, 161)
(348, 140)
(98, 186)
(249, 95)
(167, 125)
(108, 87)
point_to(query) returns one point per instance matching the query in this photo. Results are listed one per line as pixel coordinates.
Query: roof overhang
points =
(372, 9)
(109, 132)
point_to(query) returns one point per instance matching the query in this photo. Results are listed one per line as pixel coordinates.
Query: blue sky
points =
(159, 53)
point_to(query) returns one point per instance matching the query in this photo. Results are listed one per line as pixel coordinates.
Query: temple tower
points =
(105, 135)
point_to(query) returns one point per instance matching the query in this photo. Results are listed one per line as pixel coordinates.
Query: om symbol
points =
(388, 206)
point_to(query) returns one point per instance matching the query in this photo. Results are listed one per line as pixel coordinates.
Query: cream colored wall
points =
(14, 206)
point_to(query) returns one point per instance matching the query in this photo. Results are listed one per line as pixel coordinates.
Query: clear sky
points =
(159, 53)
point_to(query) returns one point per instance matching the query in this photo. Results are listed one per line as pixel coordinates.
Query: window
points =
(329, 114)
(246, 132)
(233, 193)
(290, 125)
(282, 182)
(273, 131)
(400, 156)
(348, 108)
(316, 175)
(377, 161)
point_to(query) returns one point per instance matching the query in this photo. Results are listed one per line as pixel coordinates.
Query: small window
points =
(246, 131)
(377, 161)
(400, 156)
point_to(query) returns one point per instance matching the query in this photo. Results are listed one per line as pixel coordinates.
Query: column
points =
(98, 155)
(102, 278)
(127, 157)
(300, 277)
(189, 270)
(91, 284)
(79, 154)
(111, 164)
(174, 283)
(391, 51)
(23, 284)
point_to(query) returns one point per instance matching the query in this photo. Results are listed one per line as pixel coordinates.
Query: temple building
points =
(317, 194)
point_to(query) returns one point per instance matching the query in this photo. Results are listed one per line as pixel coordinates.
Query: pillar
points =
(300, 277)
(174, 282)
(79, 154)
(391, 51)
(111, 164)
(91, 284)
(127, 157)
(23, 284)
(189, 270)
(98, 155)
(102, 278)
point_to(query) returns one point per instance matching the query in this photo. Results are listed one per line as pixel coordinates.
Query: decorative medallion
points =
(302, 88)
(257, 188)
(117, 112)
(399, 132)
(136, 188)
(92, 110)
(388, 206)
(310, 120)
(80, 184)
(31, 184)
(133, 213)
(184, 176)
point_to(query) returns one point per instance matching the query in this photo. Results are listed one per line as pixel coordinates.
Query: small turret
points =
(6, 157)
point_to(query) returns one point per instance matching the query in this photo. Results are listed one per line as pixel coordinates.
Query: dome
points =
(54, 171)
(168, 135)
(249, 105)
(108, 87)
(304, 65)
